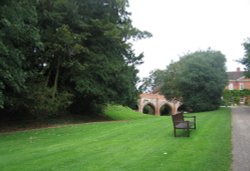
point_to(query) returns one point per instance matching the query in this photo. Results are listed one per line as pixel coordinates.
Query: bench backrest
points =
(177, 118)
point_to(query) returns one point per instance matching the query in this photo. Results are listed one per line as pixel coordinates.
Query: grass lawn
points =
(136, 144)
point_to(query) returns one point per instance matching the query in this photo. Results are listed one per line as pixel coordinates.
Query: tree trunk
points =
(48, 77)
(55, 84)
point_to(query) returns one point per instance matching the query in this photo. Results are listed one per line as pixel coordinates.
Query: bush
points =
(231, 97)
(40, 103)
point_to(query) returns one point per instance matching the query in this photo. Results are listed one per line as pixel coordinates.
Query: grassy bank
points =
(137, 144)
(117, 112)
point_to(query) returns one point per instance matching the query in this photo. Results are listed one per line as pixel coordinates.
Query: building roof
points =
(235, 75)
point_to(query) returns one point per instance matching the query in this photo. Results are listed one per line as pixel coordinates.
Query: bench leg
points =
(188, 134)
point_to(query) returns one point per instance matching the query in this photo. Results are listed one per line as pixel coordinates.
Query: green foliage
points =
(18, 34)
(198, 79)
(233, 96)
(67, 52)
(246, 59)
(141, 144)
(44, 105)
(87, 52)
(1, 95)
(153, 82)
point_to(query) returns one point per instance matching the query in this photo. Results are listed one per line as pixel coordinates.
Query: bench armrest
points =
(189, 116)
(193, 117)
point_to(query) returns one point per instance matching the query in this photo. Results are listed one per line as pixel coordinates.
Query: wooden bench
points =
(180, 123)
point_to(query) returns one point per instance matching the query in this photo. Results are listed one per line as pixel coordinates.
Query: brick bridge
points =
(157, 101)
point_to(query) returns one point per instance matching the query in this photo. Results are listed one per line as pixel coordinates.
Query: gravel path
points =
(241, 138)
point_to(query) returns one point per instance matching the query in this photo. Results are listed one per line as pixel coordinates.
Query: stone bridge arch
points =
(165, 109)
(152, 107)
(157, 101)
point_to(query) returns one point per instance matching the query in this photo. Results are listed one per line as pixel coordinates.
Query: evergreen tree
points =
(18, 38)
(61, 53)
(246, 59)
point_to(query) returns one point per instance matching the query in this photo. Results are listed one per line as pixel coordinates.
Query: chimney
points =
(238, 69)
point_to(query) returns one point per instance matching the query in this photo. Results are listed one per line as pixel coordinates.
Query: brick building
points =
(237, 80)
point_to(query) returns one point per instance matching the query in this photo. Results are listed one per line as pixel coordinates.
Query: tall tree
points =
(58, 53)
(153, 82)
(246, 59)
(18, 38)
(198, 79)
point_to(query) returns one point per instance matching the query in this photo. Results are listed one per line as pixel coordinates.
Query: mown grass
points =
(140, 144)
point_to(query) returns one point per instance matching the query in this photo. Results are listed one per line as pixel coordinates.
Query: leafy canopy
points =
(18, 34)
(246, 59)
(198, 79)
(67, 55)
(153, 82)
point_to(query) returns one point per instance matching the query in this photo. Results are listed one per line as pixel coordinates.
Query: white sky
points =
(181, 26)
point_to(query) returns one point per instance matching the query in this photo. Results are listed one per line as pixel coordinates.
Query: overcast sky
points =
(182, 26)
